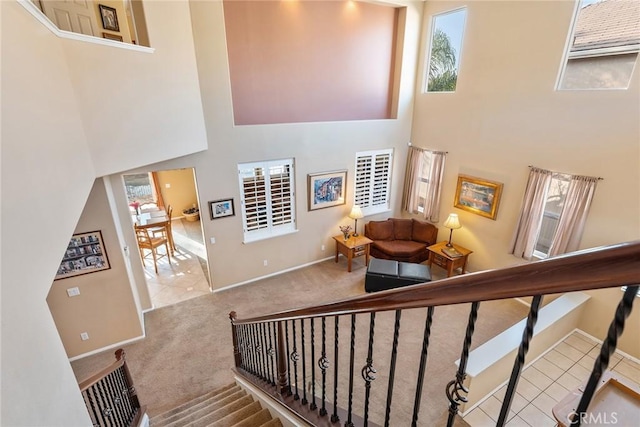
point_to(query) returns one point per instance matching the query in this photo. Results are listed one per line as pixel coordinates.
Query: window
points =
(267, 199)
(603, 45)
(554, 201)
(373, 180)
(423, 182)
(444, 51)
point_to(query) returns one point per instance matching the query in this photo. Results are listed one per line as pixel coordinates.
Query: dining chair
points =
(150, 242)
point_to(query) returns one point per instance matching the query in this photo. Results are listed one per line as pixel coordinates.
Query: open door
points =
(77, 16)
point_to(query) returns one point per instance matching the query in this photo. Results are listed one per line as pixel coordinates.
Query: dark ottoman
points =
(383, 274)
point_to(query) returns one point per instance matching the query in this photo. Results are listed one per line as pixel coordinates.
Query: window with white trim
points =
(603, 45)
(372, 183)
(267, 199)
(554, 202)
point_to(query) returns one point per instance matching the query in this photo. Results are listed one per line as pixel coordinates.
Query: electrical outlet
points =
(212, 240)
(72, 292)
(167, 185)
(265, 262)
(322, 247)
(84, 336)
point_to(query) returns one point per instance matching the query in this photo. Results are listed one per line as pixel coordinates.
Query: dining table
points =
(155, 219)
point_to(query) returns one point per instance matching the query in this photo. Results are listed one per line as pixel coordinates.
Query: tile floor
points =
(548, 381)
(181, 279)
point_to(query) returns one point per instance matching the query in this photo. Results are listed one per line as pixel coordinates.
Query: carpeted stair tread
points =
(235, 417)
(218, 395)
(206, 419)
(274, 422)
(255, 420)
(197, 410)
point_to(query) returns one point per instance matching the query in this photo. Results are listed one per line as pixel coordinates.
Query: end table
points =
(352, 247)
(448, 262)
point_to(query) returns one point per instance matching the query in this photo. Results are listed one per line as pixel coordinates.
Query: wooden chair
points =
(152, 243)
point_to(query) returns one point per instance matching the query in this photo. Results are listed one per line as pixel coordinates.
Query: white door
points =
(77, 16)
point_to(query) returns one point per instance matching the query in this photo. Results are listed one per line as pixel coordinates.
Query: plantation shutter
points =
(373, 180)
(267, 198)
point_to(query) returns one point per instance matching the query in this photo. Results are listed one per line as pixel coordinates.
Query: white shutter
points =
(373, 180)
(267, 193)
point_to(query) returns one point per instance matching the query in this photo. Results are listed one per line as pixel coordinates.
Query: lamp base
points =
(355, 234)
(449, 245)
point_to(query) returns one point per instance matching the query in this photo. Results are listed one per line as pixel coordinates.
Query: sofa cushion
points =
(380, 230)
(402, 229)
(399, 248)
(424, 232)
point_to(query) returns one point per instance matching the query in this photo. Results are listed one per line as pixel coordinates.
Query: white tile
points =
(580, 372)
(527, 390)
(569, 382)
(537, 378)
(629, 369)
(557, 392)
(580, 342)
(517, 422)
(545, 403)
(536, 417)
(491, 407)
(548, 368)
(518, 403)
(571, 352)
(587, 362)
(558, 359)
(477, 418)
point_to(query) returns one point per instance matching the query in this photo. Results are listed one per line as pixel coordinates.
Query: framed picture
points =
(112, 37)
(221, 208)
(85, 254)
(477, 195)
(327, 189)
(109, 18)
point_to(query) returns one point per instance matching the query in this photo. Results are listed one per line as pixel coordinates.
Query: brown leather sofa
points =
(399, 239)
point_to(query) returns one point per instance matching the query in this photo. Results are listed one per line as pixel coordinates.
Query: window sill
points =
(247, 240)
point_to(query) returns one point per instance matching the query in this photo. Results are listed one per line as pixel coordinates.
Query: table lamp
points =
(356, 213)
(452, 223)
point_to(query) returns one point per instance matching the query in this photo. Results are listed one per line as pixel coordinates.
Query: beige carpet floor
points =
(187, 350)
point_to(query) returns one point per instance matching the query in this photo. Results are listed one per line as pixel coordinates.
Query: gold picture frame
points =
(477, 195)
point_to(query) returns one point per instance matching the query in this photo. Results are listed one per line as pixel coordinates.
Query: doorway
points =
(185, 273)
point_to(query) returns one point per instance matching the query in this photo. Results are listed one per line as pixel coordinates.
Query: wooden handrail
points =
(84, 385)
(596, 268)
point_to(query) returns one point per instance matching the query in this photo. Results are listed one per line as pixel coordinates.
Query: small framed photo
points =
(477, 195)
(85, 254)
(327, 189)
(109, 18)
(112, 37)
(221, 208)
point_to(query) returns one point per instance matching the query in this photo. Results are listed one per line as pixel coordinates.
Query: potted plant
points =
(191, 214)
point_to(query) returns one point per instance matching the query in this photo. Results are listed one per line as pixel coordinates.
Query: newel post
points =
(131, 390)
(283, 384)
(237, 357)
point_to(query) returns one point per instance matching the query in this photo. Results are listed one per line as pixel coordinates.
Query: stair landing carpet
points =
(228, 406)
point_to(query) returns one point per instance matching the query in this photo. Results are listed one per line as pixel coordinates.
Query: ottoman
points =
(383, 274)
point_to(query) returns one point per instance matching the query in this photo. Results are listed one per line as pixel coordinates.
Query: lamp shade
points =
(452, 222)
(356, 212)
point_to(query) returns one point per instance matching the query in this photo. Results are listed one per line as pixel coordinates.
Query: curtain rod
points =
(597, 177)
(426, 149)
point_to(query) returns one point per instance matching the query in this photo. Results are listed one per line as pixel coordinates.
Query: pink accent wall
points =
(310, 61)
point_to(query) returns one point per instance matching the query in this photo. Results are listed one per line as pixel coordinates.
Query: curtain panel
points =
(423, 180)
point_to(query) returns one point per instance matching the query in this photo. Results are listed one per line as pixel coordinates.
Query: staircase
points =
(228, 406)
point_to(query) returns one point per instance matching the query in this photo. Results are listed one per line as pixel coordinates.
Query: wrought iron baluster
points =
(116, 398)
(423, 364)
(289, 389)
(246, 361)
(349, 422)
(263, 351)
(93, 405)
(456, 386)
(313, 405)
(532, 318)
(107, 411)
(392, 367)
(304, 400)
(323, 364)
(271, 352)
(124, 391)
(259, 353)
(334, 417)
(368, 371)
(252, 350)
(294, 358)
(608, 347)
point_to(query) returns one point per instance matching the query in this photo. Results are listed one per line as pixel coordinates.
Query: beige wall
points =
(121, 14)
(181, 193)
(506, 115)
(105, 308)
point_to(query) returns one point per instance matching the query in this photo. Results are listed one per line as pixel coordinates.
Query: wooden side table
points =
(449, 263)
(352, 247)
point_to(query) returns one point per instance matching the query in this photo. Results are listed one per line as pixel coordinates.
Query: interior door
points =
(77, 16)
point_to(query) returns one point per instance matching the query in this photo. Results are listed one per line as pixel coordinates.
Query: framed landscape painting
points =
(327, 189)
(85, 254)
(477, 195)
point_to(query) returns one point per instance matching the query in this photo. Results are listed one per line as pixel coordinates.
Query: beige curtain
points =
(156, 186)
(413, 170)
(574, 215)
(531, 212)
(423, 165)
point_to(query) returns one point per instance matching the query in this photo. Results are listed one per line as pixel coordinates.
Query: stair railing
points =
(256, 351)
(111, 397)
